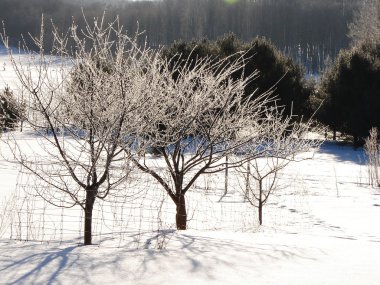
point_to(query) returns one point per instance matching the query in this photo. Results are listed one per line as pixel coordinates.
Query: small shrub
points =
(372, 149)
(10, 109)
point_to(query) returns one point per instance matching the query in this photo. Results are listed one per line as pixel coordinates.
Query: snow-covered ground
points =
(321, 227)
(7, 75)
(27, 63)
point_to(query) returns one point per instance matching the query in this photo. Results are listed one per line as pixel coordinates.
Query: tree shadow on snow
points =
(40, 267)
(190, 252)
(203, 255)
(344, 153)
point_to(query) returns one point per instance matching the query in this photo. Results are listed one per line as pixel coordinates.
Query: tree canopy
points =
(274, 71)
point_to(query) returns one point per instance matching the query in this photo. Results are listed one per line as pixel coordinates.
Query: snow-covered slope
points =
(323, 228)
(7, 76)
(26, 63)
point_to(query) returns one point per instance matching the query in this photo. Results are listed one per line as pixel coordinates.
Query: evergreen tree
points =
(351, 88)
(10, 110)
(276, 72)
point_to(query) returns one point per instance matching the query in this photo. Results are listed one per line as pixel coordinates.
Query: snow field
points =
(139, 205)
(320, 227)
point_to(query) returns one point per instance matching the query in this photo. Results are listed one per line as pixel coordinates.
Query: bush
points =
(351, 90)
(10, 110)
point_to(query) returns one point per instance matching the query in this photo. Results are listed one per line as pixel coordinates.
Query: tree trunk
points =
(181, 216)
(260, 213)
(90, 200)
(358, 141)
(226, 178)
(261, 202)
(247, 184)
(334, 135)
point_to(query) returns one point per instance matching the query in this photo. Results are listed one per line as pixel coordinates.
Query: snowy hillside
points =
(322, 228)
(7, 76)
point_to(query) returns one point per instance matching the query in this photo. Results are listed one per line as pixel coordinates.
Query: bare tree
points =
(261, 178)
(285, 143)
(372, 149)
(201, 118)
(366, 24)
(83, 101)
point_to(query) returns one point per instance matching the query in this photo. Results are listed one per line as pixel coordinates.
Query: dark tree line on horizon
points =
(310, 31)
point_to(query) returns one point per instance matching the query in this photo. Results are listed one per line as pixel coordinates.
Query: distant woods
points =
(308, 30)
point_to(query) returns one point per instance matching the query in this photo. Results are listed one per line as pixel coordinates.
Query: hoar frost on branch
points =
(372, 149)
(286, 142)
(203, 117)
(110, 101)
(83, 98)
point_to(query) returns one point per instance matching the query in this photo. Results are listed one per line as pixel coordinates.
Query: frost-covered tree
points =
(366, 24)
(202, 117)
(83, 101)
(276, 71)
(372, 149)
(283, 145)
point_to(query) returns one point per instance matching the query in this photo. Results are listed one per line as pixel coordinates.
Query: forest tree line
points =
(308, 30)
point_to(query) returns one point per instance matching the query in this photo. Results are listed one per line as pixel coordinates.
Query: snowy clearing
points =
(321, 229)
